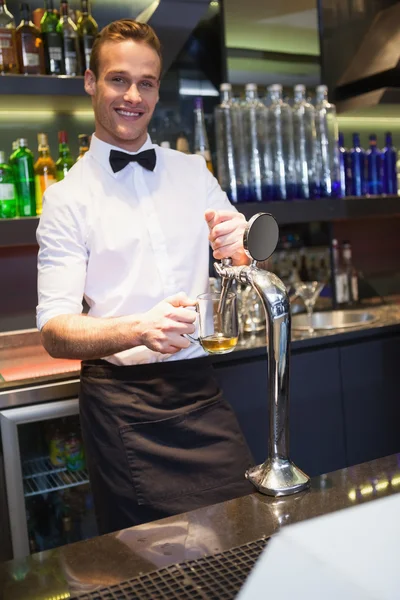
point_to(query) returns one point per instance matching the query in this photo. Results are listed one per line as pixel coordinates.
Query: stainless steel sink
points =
(334, 319)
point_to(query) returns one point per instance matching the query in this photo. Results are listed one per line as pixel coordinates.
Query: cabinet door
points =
(371, 398)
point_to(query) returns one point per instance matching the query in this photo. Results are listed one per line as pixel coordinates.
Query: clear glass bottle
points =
(340, 276)
(65, 160)
(29, 45)
(45, 171)
(84, 143)
(52, 41)
(327, 143)
(201, 145)
(344, 169)
(304, 136)
(374, 167)
(357, 163)
(231, 159)
(8, 43)
(351, 274)
(256, 146)
(71, 54)
(8, 196)
(280, 137)
(389, 155)
(87, 30)
(22, 164)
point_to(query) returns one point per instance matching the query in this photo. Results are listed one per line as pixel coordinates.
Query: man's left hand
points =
(226, 235)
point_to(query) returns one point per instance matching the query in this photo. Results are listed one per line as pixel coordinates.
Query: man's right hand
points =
(163, 327)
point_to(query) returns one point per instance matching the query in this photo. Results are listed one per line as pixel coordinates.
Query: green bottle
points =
(65, 160)
(8, 196)
(22, 164)
(52, 41)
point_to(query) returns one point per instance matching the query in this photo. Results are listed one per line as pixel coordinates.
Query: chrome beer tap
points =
(278, 475)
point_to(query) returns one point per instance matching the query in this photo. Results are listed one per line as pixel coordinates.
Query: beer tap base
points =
(278, 477)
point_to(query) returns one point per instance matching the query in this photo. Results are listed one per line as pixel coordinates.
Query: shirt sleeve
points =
(216, 197)
(62, 257)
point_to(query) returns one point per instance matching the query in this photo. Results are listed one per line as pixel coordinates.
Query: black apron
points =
(160, 440)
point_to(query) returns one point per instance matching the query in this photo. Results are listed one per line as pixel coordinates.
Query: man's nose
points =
(133, 94)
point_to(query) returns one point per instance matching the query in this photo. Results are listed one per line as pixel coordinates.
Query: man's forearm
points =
(82, 337)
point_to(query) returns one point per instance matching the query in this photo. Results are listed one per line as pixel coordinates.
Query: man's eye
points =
(147, 84)
(118, 79)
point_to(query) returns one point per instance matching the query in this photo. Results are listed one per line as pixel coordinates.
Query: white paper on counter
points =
(352, 554)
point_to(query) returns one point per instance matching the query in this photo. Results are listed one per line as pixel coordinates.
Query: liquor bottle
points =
(29, 45)
(45, 171)
(52, 40)
(231, 158)
(327, 143)
(87, 30)
(84, 143)
(374, 167)
(389, 155)
(344, 169)
(65, 160)
(182, 143)
(22, 165)
(280, 134)
(8, 196)
(304, 137)
(351, 273)
(67, 28)
(357, 163)
(8, 44)
(201, 145)
(340, 276)
(304, 272)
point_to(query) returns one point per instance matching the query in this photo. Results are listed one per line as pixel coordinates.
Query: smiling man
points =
(128, 230)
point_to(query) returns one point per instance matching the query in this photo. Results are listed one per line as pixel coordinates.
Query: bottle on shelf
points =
(29, 45)
(351, 274)
(8, 196)
(327, 142)
(201, 145)
(303, 271)
(8, 43)
(256, 147)
(87, 30)
(304, 136)
(65, 160)
(182, 143)
(21, 161)
(357, 162)
(231, 159)
(280, 138)
(389, 156)
(340, 276)
(37, 16)
(374, 167)
(84, 143)
(52, 41)
(45, 171)
(71, 54)
(344, 169)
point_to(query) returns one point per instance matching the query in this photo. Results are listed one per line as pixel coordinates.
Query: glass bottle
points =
(304, 137)
(344, 169)
(65, 160)
(84, 143)
(52, 41)
(357, 162)
(351, 273)
(374, 167)
(8, 44)
(280, 137)
(67, 28)
(29, 45)
(340, 276)
(389, 155)
(22, 164)
(201, 145)
(45, 171)
(8, 196)
(87, 30)
(256, 147)
(327, 142)
(231, 158)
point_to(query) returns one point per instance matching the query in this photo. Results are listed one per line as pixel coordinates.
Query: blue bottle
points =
(357, 163)
(389, 156)
(344, 169)
(374, 167)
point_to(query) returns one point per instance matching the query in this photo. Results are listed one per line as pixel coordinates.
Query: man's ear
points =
(90, 82)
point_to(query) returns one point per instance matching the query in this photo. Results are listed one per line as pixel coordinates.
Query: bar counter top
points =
(81, 568)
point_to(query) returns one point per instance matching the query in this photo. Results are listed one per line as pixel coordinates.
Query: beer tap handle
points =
(226, 284)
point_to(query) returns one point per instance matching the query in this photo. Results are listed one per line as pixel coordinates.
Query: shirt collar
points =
(101, 152)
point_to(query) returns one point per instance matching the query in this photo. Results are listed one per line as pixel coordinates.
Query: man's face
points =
(126, 92)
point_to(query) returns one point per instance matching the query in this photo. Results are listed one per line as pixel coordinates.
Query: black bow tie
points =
(119, 160)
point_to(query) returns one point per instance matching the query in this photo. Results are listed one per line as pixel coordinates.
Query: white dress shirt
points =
(125, 241)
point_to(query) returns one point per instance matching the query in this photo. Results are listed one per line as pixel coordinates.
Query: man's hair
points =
(119, 31)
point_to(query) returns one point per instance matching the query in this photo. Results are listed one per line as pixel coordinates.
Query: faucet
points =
(278, 475)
